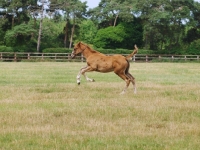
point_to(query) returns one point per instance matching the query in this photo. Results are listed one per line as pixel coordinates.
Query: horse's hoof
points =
(79, 83)
(123, 92)
(93, 80)
(135, 92)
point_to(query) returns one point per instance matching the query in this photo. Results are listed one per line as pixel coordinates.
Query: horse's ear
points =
(77, 43)
(74, 44)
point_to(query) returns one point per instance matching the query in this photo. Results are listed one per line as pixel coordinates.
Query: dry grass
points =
(41, 107)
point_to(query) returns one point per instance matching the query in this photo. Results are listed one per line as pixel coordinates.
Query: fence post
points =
(197, 57)
(81, 57)
(185, 57)
(146, 58)
(159, 57)
(28, 56)
(15, 57)
(68, 56)
(172, 58)
(42, 56)
(133, 58)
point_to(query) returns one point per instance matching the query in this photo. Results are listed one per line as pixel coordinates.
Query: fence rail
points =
(66, 57)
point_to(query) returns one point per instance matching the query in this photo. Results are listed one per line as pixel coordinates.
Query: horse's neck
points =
(88, 51)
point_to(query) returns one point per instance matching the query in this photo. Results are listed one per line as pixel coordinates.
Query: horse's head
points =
(78, 48)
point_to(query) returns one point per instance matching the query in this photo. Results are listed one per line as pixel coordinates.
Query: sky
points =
(94, 3)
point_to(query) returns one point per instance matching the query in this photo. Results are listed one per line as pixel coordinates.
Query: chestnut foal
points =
(99, 62)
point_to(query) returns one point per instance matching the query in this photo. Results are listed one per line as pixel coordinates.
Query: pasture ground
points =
(42, 107)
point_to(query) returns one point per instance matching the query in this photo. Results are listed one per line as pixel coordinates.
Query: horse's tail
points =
(133, 53)
(127, 68)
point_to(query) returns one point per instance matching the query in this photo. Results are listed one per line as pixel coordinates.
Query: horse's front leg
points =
(78, 78)
(82, 71)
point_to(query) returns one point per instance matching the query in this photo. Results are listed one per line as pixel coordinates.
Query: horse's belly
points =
(104, 68)
(101, 64)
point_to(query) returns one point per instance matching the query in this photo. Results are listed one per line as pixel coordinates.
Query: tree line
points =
(164, 26)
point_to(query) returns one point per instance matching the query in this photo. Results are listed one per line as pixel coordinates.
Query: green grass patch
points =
(42, 107)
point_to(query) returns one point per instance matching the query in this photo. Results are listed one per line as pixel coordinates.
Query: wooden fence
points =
(66, 57)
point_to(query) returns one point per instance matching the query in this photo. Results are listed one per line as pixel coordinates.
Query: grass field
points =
(42, 108)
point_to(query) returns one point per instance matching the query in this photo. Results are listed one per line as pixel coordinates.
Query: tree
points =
(40, 27)
(20, 36)
(73, 10)
(193, 29)
(52, 33)
(109, 11)
(196, 14)
(39, 10)
(109, 37)
(12, 13)
(124, 35)
(134, 34)
(17, 9)
(87, 31)
(3, 29)
(164, 21)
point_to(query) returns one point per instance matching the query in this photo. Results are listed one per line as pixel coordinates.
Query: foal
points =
(99, 62)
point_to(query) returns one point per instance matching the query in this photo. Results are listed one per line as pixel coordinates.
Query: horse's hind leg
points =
(125, 78)
(132, 81)
(127, 84)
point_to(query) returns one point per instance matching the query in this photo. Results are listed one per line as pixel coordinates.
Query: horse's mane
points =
(92, 50)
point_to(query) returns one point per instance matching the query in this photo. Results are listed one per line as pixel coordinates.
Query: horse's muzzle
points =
(73, 55)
